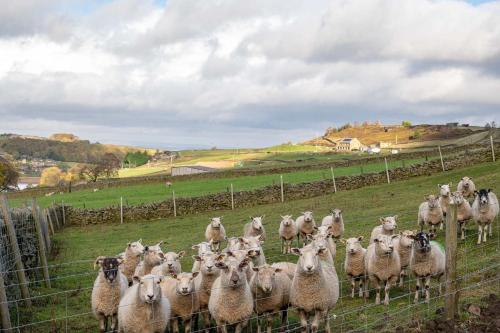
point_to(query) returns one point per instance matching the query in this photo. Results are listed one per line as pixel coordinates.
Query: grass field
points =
(77, 247)
(137, 194)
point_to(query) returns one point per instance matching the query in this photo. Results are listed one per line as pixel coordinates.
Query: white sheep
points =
(403, 244)
(321, 242)
(215, 233)
(242, 255)
(181, 292)
(287, 231)
(354, 264)
(109, 287)
(255, 228)
(315, 288)
(231, 301)
(464, 211)
(171, 264)
(202, 248)
(430, 213)
(484, 211)
(305, 224)
(387, 226)
(131, 258)
(142, 308)
(467, 187)
(204, 281)
(286, 267)
(326, 233)
(253, 245)
(444, 197)
(153, 256)
(271, 292)
(336, 223)
(427, 260)
(382, 265)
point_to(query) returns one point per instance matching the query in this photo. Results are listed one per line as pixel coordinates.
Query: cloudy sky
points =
(202, 73)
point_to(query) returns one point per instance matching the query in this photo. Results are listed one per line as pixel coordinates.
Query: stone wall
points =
(266, 195)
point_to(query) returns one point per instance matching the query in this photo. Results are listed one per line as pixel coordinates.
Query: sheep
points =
(326, 233)
(382, 265)
(131, 258)
(109, 287)
(181, 292)
(231, 301)
(153, 256)
(336, 221)
(203, 247)
(271, 292)
(242, 255)
(427, 260)
(464, 211)
(354, 264)
(403, 244)
(387, 227)
(430, 213)
(215, 233)
(253, 245)
(305, 224)
(484, 211)
(322, 242)
(287, 231)
(286, 267)
(444, 198)
(204, 281)
(467, 187)
(171, 264)
(315, 287)
(255, 228)
(142, 308)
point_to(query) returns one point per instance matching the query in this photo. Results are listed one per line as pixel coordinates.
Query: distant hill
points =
(396, 135)
(61, 147)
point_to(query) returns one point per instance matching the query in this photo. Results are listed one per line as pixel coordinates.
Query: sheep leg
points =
(441, 225)
(376, 282)
(187, 325)
(386, 291)
(462, 228)
(367, 287)
(479, 233)
(353, 284)
(327, 322)
(284, 319)
(269, 323)
(206, 321)
(283, 246)
(303, 320)
(114, 322)
(485, 232)
(315, 322)
(175, 325)
(402, 277)
(491, 229)
(237, 328)
(102, 322)
(427, 288)
(361, 283)
(417, 290)
(257, 322)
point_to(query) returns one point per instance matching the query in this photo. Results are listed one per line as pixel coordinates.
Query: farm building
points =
(348, 144)
(191, 170)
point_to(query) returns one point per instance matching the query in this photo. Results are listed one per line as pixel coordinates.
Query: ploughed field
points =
(75, 249)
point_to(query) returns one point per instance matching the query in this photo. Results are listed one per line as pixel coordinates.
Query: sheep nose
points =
(150, 296)
(184, 290)
(169, 265)
(309, 267)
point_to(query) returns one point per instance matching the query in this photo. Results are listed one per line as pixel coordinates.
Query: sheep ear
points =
(146, 248)
(394, 236)
(396, 217)
(489, 190)
(197, 258)
(376, 240)
(195, 274)
(220, 265)
(309, 237)
(251, 218)
(242, 240)
(137, 278)
(162, 255)
(173, 275)
(262, 217)
(181, 254)
(439, 185)
(120, 260)
(243, 263)
(128, 244)
(139, 241)
(195, 247)
(321, 251)
(316, 228)
(255, 269)
(278, 270)
(98, 261)
(296, 251)
(381, 219)
(360, 238)
(229, 253)
(161, 242)
(340, 211)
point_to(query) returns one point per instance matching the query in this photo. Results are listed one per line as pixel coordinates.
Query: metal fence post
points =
(387, 171)
(23, 282)
(232, 197)
(451, 299)
(441, 157)
(492, 148)
(333, 179)
(41, 242)
(282, 192)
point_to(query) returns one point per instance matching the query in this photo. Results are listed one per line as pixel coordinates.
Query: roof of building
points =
(346, 140)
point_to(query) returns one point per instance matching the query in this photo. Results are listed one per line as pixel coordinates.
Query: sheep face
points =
(257, 223)
(136, 247)
(308, 216)
(324, 230)
(384, 244)
(266, 277)
(235, 243)
(353, 245)
(171, 259)
(483, 196)
(233, 273)
(149, 288)
(253, 245)
(109, 266)
(432, 201)
(458, 197)
(337, 215)
(185, 283)
(319, 241)
(203, 247)
(389, 223)
(466, 181)
(287, 220)
(444, 190)
(207, 263)
(215, 222)
(406, 238)
(308, 258)
(154, 254)
(422, 242)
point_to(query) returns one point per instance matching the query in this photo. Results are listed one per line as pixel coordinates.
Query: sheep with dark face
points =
(215, 233)
(467, 187)
(427, 260)
(255, 228)
(109, 287)
(430, 213)
(484, 212)
(305, 224)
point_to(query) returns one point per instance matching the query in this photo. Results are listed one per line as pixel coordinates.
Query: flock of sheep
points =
(145, 290)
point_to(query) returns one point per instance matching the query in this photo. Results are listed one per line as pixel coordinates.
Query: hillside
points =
(396, 135)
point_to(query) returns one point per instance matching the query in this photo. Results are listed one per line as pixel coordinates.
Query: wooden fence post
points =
(121, 210)
(282, 192)
(4, 307)
(58, 225)
(49, 219)
(232, 197)
(387, 171)
(451, 299)
(63, 213)
(23, 282)
(441, 157)
(41, 242)
(175, 206)
(333, 179)
(492, 148)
